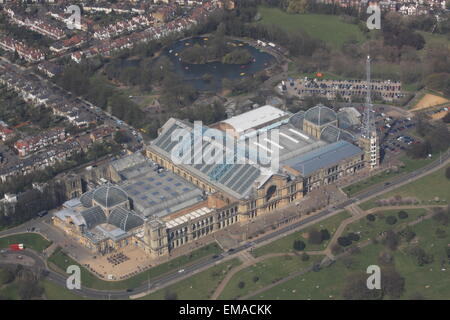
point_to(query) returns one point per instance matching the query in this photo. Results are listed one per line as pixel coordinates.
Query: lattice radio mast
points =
(369, 126)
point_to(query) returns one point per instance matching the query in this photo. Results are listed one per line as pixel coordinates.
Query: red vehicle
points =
(16, 247)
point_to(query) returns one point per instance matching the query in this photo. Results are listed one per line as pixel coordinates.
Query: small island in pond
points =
(215, 50)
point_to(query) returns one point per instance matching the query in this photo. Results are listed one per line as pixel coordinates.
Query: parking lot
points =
(395, 134)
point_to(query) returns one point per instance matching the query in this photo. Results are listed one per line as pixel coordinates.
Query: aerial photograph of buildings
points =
(243, 151)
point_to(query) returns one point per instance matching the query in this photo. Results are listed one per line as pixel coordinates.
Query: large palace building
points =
(172, 195)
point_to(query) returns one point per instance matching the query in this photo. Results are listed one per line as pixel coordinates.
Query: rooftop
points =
(255, 118)
(158, 193)
(323, 157)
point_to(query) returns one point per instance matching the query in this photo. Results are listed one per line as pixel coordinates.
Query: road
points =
(188, 271)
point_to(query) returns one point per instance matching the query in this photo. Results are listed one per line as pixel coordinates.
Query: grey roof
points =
(332, 134)
(323, 157)
(124, 219)
(297, 120)
(320, 115)
(93, 216)
(348, 117)
(86, 199)
(128, 161)
(160, 193)
(236, 179)
(109, 196)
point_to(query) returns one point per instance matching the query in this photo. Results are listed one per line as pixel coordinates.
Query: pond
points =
(194, 73)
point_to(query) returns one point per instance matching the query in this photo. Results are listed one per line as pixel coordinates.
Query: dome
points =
(109, 196)
(320, 115)
(124, 219)
(332, 134)
(297, 120)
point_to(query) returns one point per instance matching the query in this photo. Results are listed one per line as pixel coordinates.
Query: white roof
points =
(255, 118)
(191, 215)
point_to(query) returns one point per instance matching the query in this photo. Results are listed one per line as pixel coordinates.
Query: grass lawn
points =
(198, 287)
(432, 281)
(30, 240)
(424, 189)
(285, 244)
(54, 291)
(10, 291)
(267, 272)
(370, 229)
(324, 284)
(409, 166)
(59, 261)
(328, 28)
(434, 38)
(435, 275)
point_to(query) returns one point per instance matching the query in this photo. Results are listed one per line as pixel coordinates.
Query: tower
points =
(369, 134)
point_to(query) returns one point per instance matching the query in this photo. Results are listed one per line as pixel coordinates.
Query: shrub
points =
(325, 234)
(371, 217)
(391, 220)
(403, 214)
(255, 279)
(304, 256)
(353, 236)
(408, 234)
(344, 241)
(241, 284)
(299, 245)
(315, 237)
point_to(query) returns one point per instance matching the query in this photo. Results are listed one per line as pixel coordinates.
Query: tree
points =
(408, 234)
(241, 284)
(299, 245)
(370, 217)
(344, 241)
(402, 214)
(314, 236)
(391, 240)
(393, 284)
(356, 288)
(447, 172)
(391, 220)
(353, 236)
(121, 137)
(422, 258)
(325, 234)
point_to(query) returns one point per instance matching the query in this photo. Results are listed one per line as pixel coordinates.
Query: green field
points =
(198, 287)
(267, 272)
(432, 281)
(368, 230)
(59, 261)
(324, 27)
(425, 189)
(410, 165)
(432, 39)
(53, 291)
(30, 240)
(285, 244)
